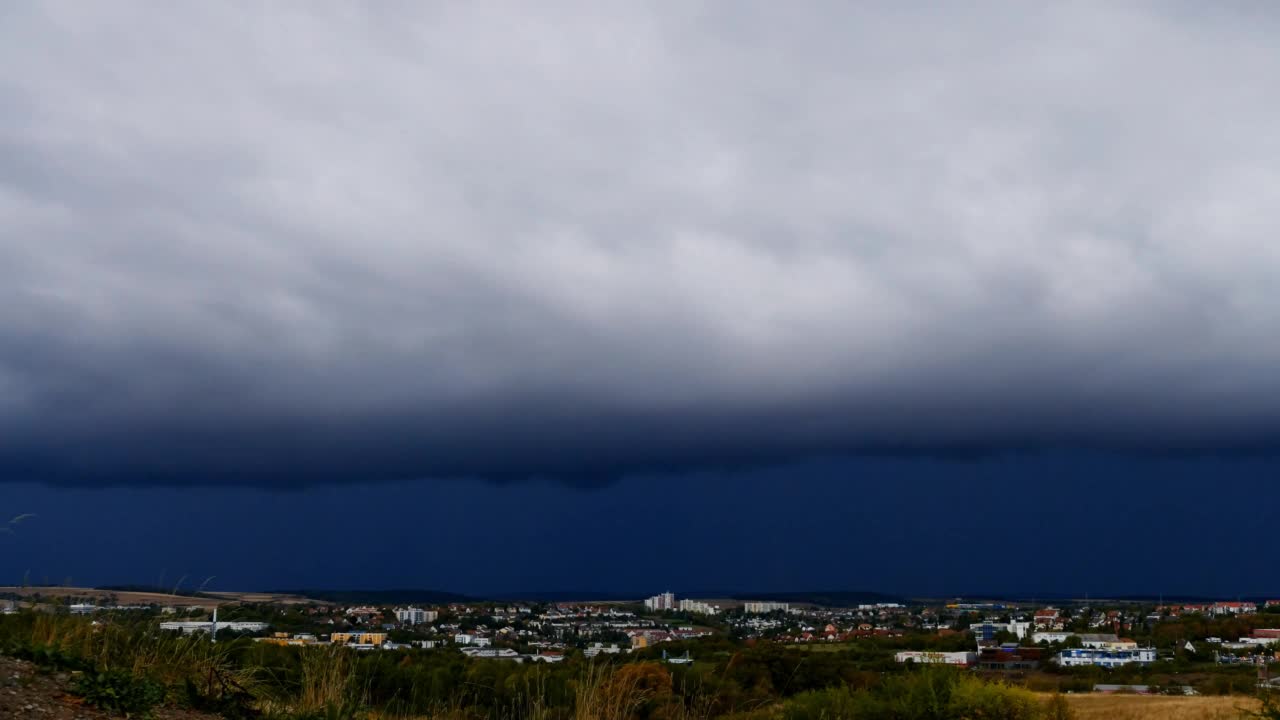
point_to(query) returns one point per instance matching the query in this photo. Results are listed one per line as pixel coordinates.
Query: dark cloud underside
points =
(292, 244)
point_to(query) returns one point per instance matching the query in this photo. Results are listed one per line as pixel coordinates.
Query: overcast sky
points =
(299, 243)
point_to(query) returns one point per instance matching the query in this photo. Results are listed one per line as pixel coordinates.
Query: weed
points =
(119, 691)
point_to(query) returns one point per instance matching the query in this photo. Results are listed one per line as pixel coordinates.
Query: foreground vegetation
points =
(129, 667)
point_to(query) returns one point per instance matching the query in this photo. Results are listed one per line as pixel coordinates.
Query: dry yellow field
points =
(129, 597)
(1159, 707)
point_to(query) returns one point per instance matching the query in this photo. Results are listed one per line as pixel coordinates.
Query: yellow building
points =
(358, 638)
(285, 639)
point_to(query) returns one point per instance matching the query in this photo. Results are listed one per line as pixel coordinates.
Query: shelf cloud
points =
(287, 244)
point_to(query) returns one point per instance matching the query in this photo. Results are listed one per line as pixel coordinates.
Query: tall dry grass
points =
(605, 694)
(164, 656)
(1160, 707)
(328, 679)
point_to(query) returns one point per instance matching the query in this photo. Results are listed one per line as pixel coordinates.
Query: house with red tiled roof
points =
(1234, 608)
(1049, 618)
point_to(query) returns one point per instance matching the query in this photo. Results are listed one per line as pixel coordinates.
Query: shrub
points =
(119, 692)
(973, 698)
(930, 694)
(49, 656)
(828, 704)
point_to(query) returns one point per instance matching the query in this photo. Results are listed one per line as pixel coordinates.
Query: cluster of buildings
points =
(1217, 609)
(661, 602)
(524, 633)
(416, 616)
(1260, 637)
(758, 607)
(666, 602)
(1012, 638)
(987, 630)
(595, 649)
(1097, 641)
(1096, 649)
(189, 627)
(549, 656)
(781, 622)
(1047, 626)
(965, 659)
(698, 607)
(1005, 636)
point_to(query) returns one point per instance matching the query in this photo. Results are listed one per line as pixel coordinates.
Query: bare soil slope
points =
(26, 691)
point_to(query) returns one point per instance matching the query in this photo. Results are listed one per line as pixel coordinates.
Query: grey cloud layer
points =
(307, 241)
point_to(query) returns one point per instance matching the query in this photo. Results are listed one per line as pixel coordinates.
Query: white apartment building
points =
(1234, 608)
(1092, 641)
(597, 648)
(698, 607)
(1106, 658)
(416, 616)
(188, 628)
(664, 601)
(472, 639)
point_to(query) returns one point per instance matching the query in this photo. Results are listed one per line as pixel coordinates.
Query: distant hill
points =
(153, 589)
(828, 598)
(1071, 599)
(567, 596)
(381, 597)
(825, 598)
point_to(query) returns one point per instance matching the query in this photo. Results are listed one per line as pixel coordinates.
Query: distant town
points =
(988, 636)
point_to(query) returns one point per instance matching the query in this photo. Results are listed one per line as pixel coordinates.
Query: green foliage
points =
(119, 691)
(973, 698)
(824, 705)
(49, 656)
(931, 694)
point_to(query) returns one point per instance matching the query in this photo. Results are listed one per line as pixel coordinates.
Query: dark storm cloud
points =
(293, 244)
